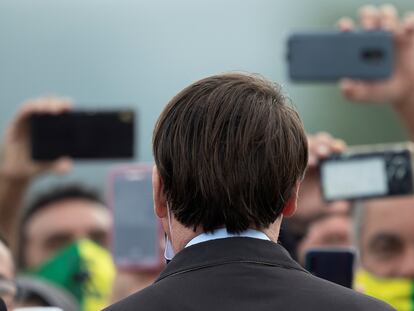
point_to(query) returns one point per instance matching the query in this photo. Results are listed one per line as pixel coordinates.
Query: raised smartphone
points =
(332, 264)
(369, 171)
(83, 135)
(325, 56)
(137, 234)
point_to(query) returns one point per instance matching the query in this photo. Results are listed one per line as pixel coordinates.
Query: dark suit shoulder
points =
(148, 299)
(311, 294)
(242, 274)
(334, 297)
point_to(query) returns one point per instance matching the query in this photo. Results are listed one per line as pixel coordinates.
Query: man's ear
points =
(160, 201)
(292, 204)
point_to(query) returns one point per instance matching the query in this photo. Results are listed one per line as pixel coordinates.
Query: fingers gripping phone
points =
(83, 135)
(369, 171)
(137, 233)
(324, 56)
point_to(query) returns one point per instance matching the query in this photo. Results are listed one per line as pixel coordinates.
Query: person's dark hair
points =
(57, 194)
(53, 195)
(229, 150)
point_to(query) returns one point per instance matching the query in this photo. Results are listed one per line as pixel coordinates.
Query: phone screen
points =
(354, 178)
(332, 265)
(83, 135)
(136, 229)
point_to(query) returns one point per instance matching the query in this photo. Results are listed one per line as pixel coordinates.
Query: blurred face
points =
(7, 288)
(387, 237)
(310, 202)
(62, 223)
(334, 230)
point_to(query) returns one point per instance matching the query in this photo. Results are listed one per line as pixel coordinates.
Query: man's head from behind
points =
(230, 152)
(60, 217)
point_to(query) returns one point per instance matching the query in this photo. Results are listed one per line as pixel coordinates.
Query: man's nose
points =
(407, 263)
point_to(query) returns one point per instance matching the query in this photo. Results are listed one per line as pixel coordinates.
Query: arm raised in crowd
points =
(398, 91)
(321, 145)
(311, 205)
(17, 169)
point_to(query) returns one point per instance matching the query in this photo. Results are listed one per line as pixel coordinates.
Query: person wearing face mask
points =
(384, 227)
(384, 233)
(62, 237)
(230, 154)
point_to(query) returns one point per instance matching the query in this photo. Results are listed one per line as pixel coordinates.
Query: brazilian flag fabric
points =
(399, 293)
(84, 269)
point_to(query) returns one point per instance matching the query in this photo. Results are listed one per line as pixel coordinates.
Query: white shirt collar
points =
(223, 234)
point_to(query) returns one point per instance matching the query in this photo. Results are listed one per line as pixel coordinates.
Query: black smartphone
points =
(137, 233)
(83, 135)
(370, 171)
(324, 56)
(2, 305)
(332, 264)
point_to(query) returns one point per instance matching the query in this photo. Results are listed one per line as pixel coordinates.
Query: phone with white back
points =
(137, 234)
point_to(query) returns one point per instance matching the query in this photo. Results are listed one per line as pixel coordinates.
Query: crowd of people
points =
(230, 154)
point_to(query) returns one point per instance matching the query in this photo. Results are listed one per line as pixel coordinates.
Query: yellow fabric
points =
(396, 292)
(102, 270)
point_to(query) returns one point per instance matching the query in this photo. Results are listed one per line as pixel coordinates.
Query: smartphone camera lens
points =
(372, 56)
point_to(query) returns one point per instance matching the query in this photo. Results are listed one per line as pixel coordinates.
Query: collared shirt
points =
(223, 234)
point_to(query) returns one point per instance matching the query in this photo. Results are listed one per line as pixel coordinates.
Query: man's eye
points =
(57, 242)
(386, 247)
(100, 238)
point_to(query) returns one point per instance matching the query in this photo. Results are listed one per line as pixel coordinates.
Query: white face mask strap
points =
(169, 218)
(169, 251)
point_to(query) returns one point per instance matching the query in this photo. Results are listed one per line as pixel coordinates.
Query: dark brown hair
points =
(230, 150)
(44, 200)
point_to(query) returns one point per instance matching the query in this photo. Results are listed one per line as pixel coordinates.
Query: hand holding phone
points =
(83, 135)
(398, 87)
(16, 161)
(368, 171)
(330, 56)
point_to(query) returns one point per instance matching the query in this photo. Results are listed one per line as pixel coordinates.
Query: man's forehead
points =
(69, 204)
(389, 202)
(388, 212)
(66, 213)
